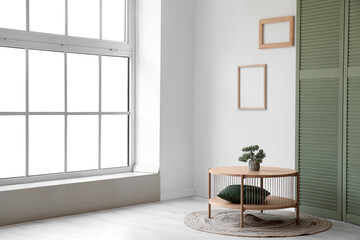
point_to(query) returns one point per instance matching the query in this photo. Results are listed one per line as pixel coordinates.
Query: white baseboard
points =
(176, 194)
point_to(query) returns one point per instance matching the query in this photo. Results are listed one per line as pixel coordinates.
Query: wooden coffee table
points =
(280, 182)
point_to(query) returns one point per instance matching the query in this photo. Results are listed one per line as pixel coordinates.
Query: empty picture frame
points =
(276, 32)
(252, 87)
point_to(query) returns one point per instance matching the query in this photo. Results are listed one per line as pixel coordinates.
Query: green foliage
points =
(250, 148)
(251, 154)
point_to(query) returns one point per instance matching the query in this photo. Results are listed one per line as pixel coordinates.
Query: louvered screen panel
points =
(354, 33)
(318, 107)
(353, 116)
(318, 143)
(353, 148)
(319, 34)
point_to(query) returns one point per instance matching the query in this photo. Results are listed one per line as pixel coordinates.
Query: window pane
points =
(46, 144)
(46, 81)
(114, 84)
(83, 142)
(84, 18)
(12, 146)
(13, 14)
(83, 83)
(113, 20)
(114, 141)
(47, 16)
(12, 80)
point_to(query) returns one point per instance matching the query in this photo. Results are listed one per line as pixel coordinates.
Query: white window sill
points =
(71, 181)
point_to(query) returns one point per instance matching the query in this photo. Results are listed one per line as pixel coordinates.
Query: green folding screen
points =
(328, 108)
(319, 106)
(352, 113)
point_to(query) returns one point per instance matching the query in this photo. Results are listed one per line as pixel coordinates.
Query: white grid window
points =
(65, 88)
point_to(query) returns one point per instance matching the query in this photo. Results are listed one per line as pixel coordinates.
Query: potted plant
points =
(254, 155)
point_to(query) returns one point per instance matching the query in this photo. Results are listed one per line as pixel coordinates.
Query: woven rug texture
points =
(256, 224)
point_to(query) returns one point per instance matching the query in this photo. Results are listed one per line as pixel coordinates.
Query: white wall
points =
(164, 97)
(188, 51)
(148, 76)
(226, 35)
(176, 135)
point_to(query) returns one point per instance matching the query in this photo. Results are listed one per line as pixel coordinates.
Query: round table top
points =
(244, 171)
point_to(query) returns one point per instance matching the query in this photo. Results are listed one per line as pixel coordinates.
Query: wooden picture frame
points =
(254, 82)
(262, 22)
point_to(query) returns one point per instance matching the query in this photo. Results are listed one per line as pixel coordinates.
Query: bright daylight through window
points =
(65, 88)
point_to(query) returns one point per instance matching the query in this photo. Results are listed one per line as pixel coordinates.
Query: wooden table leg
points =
(261, 188)
(209, 210)
(298, 198)
(209, 205)
(242, 219)
(242, 203)
(297, 216)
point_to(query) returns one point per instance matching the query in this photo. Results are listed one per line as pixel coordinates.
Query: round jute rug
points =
(256, 224)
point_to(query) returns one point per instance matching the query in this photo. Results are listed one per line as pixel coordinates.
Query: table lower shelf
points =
(271, 202)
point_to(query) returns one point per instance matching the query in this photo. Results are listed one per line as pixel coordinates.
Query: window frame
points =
(28, 40)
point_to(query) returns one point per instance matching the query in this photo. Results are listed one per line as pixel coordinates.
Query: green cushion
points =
(252, 194)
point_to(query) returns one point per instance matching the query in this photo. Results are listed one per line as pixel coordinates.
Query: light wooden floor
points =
(160, 220)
